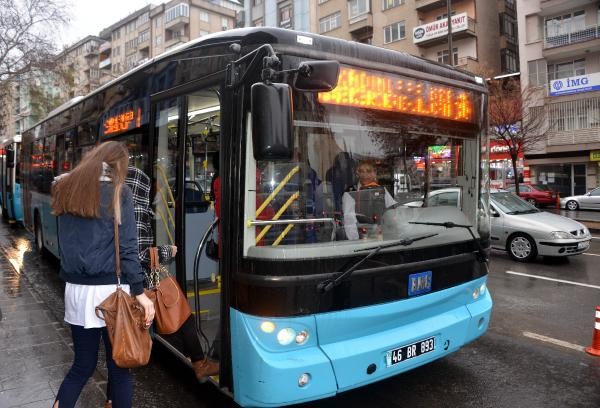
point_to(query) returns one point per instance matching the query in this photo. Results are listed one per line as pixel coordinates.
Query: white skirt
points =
(81, 302)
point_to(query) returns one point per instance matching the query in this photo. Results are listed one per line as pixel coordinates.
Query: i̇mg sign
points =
(439, 28)
(576, 84)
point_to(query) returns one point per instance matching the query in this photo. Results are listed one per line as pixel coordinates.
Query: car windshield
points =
(511, 204)
(541, 187)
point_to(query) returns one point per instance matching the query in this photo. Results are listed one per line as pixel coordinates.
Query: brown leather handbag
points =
(125, 322)
(170, 303)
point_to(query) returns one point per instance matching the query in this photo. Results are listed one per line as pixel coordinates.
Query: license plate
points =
(419, 283)
(413, 350)
(583, 245)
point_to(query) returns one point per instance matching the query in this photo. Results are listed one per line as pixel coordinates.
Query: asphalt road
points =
(532, 355)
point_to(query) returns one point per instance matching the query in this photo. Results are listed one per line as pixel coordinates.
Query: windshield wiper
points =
(329, 284)
(481, 254)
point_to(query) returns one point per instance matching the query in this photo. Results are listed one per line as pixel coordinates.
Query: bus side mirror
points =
(319, 76)
(10, 159)
(272, 125)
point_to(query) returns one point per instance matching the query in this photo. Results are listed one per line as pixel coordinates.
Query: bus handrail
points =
(201, 245)
(258, 223)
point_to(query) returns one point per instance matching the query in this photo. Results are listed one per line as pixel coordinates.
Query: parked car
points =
(588, 201)
(520, 228)
(535, 194)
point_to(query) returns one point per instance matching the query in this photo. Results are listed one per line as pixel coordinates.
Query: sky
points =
(89, 17)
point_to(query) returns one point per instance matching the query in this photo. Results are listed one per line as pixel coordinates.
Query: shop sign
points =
(439, 28)
(576, 84)
(595, 155)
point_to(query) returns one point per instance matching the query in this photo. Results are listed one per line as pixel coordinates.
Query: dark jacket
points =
(87, 247)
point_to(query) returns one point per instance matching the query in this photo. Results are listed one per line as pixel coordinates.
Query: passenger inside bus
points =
(364, 204)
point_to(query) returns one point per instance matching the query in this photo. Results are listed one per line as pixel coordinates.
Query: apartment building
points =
(300, 15)
(484, 38)
(152, 30)
(560, 61)
(80, 64)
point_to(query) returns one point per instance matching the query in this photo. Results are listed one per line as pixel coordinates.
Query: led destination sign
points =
(395, 93)
(123, 118)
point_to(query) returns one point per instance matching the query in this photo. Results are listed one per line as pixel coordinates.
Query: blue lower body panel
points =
(350, 348)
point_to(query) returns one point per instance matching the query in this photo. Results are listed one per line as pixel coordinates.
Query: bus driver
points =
(364, 204)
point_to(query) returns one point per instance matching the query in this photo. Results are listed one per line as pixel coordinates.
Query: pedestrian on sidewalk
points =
(187, 336)
(87, 201)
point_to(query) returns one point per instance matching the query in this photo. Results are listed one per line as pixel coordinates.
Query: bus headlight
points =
(286, 336)
(475, 293)
(482, 289)
(267, 327)
(301, 336)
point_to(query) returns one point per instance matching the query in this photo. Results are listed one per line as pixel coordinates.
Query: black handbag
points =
(212, 249)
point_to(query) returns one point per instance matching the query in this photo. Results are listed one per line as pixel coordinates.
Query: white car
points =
(587, 201)
(520, 228)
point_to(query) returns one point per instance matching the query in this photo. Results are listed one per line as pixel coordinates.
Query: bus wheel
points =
(39, 237)
(521, 248)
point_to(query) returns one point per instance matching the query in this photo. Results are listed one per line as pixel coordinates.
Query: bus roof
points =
(311, 45)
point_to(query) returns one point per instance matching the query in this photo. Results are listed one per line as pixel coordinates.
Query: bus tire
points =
(38, 234)
(521, 247)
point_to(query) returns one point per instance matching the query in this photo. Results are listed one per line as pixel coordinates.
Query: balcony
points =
(572, 41)
(428, 5)
(176, 40)
(553, 7)
(361, 24)
(467, 63)
(177, 23)
(90, 51)
(142, 45)
(104, 64)
(436, 32)
(105, 47)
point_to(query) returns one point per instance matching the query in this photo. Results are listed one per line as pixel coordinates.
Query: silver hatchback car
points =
(520, 228)
(587, 201)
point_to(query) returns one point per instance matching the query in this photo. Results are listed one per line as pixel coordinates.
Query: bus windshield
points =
(360, 176)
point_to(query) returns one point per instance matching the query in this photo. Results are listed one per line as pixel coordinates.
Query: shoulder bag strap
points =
(117, 256)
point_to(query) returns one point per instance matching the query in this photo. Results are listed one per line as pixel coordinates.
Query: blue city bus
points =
(325, 282)
(10, 180)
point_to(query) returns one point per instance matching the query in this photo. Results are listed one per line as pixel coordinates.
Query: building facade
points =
(300, 15)
(484, 32)
(560, 63)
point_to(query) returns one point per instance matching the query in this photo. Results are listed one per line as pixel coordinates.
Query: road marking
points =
(553, 280)
(591, 254)
(554, 341)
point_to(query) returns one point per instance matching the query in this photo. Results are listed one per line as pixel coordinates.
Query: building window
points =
(158, 40)
(224, 23)
(508, 27)
(445, 16)
(158, 21)
(330, 22)
(285, 14)
(573, 115)
(442, 56)
(566, 69)
(258, 23)
(508, 60)
(565, 23)
(130, 28)
(144, 36)
(323, 1)
(204, 16)
(130, 45)
(144, 18)
(357, 8)
(537, 72)
(180, 10)
(394, 32)
(388, 4)
(202, 33)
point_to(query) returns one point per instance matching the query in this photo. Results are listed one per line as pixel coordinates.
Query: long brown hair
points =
(78, 193)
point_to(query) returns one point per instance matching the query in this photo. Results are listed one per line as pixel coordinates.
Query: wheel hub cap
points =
(520, 247)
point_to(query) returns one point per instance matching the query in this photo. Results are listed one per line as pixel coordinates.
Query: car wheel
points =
(521, 248)
(572, 205)
(532, 202)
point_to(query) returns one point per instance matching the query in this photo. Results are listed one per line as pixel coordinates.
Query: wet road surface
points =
(531, 355)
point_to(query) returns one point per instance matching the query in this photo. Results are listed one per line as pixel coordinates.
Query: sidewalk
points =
(589, 218)
(35, 345)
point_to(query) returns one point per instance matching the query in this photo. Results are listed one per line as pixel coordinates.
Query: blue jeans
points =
(86, 343)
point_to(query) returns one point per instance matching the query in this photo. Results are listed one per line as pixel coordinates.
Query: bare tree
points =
(514, 120)
(27, 33)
